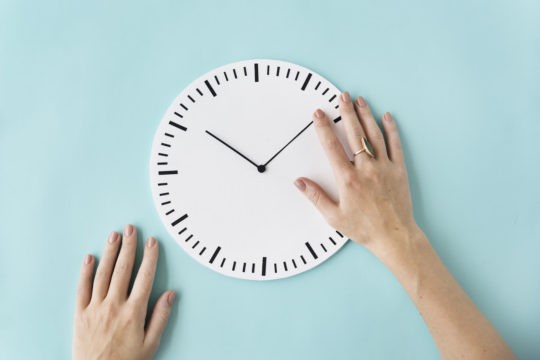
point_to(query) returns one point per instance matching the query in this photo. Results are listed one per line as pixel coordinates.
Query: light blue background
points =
(83, 86)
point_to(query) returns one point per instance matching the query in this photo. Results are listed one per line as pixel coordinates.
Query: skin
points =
(110, 322)
(374, 209)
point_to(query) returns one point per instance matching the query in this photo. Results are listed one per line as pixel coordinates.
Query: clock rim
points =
(155, 179)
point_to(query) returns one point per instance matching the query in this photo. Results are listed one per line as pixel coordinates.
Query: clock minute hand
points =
(236, 151)
(287, 144)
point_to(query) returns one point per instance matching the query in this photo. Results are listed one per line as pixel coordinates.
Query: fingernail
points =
(319, 114)
(171, 297)
(300, 184)
(150, 242)
(361, 102)
(345, 97)
(113, 237)
(88, 259)
(128, 230)
(387, 117)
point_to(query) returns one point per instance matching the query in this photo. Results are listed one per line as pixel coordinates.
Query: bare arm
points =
(374, 209)
(458, 327)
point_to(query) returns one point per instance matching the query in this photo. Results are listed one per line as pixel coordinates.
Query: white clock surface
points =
(220, 183)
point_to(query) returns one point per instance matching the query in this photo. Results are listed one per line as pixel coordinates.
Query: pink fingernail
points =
(88, 259)
(300, 184)
(387, 117)
(171, 297)
(128, 230)
(150, 242)
(345, 97)
(318, 114)
(361, 102)
(113, 237)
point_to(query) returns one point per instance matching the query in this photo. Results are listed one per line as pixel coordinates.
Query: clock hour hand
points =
(260, 168)
(287, 144)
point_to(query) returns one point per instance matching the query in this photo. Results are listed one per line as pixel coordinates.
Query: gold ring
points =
(366, 147)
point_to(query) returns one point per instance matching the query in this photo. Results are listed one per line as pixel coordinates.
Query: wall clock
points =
(223, 162)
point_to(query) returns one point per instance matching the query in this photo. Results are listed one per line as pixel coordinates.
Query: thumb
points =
(158, 319)
(318, 197)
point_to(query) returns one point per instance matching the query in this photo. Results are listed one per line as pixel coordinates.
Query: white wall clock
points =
(222, 167)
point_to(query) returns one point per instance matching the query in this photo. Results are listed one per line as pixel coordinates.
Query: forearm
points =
(458, 327)
(375, 209)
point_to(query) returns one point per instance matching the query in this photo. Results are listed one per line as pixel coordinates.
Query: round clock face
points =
(223, 163)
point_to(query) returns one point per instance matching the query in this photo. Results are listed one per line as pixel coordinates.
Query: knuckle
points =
(163, 316)
(332, 143)
(122, 266)
(132, 315)
(144, 280)
(349, 178)
(147, 274)
(110, 305)
(100, 276)
(378, 137)
(109, 315)
(370, 171)
(137, 301)
(314, 195)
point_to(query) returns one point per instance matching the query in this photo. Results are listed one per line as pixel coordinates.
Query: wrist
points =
(402, 251)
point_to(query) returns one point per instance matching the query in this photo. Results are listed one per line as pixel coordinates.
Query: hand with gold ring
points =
(374, 209)
(374, 202)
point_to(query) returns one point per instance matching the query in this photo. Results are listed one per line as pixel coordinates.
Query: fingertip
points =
(171, 297)
(361, 102)
(112, 237)
(128, 230)
(151, 242)
(393, 145)
(345, 97)
(84, 289)
(300, 184)
(318, 114)
(88, 259)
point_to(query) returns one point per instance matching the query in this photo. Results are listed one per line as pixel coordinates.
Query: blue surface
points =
(83, 86)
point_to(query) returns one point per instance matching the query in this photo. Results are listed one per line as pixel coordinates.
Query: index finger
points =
(332, 146)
